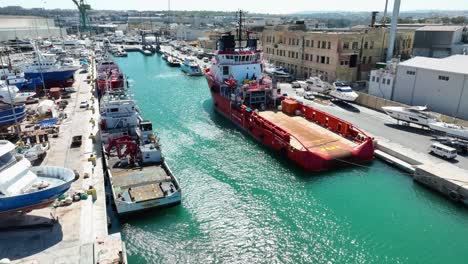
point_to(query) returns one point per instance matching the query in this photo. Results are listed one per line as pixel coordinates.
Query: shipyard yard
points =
(275, 143)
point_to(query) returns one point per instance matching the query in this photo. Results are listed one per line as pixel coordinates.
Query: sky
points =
(258, 6)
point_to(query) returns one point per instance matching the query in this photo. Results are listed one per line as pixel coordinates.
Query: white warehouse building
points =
(440, 84)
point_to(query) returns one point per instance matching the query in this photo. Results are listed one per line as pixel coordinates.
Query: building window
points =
(307, 43)
(443, 78)
(413, 73)
(371, 45)
(364, 59)
(355, 45)
(329, 45)
(324, 45)
(273, 39)
(322, 59)
(317, 58)
(312, 43)
(307, 57)
(373, 78)
(378, 79)
(346, 45)
(383, 80)
(297, 42)
(297, 55)
(366, 45)
(388, 81)
(370, 59)
(318, 44)
(328, 60)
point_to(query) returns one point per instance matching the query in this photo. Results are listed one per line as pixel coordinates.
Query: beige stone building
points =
(344, 55)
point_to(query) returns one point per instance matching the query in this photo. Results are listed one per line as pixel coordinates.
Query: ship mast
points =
(239, 30)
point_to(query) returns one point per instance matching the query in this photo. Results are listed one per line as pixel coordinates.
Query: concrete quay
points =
(405, 147)
(76, 233)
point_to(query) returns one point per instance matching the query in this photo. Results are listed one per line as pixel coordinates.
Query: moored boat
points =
(191, 67)
(313, 139)
(450, 129)
(414, 114)
(139, 175)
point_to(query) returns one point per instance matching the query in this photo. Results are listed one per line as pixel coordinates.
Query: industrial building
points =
(439, 41)
(28, 27)
(441, 84)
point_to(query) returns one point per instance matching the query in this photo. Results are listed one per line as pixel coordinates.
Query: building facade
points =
(440, 84)
(28, 27)
(334, 55)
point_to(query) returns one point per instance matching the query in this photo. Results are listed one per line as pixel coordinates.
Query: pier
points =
(76, 233)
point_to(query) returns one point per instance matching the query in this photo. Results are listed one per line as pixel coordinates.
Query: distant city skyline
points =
(257, 6)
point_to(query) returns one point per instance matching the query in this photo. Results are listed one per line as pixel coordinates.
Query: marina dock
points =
(76, 233)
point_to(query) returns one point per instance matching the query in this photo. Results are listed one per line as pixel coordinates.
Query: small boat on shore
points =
(415, 114)
(343, 91)
(450, 129)
(24, 188)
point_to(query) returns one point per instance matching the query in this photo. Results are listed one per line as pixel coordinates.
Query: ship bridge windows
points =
(225, 70)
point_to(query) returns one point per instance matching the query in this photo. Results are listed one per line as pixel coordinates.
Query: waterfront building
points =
(344, 54)
(439, 83)
(382, 80)
(440, 41)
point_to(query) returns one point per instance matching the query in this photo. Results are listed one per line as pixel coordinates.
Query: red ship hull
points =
(279, 139)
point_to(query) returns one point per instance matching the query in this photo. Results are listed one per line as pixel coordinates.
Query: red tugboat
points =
(313, 139)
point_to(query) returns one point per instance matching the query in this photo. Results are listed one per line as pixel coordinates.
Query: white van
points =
(443, 151)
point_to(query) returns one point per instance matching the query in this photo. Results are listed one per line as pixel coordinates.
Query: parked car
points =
(309, 96)
(443, 151)
(84, 104)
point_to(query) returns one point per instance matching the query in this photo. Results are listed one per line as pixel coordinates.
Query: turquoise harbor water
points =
(242, 204)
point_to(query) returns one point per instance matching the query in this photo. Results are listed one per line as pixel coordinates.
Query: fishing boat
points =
(109, 76)
(48, 69)
(419, 115)
(191, 67)
(10, 115)
(343, 91)
(449, 129)
(313, 139)
(24, 188)
(139, 175)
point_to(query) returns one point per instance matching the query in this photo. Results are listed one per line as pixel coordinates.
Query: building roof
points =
(452, 64)
(440, 28)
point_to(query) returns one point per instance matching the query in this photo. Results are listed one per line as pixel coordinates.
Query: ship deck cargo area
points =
(314, 137)
(138, 184)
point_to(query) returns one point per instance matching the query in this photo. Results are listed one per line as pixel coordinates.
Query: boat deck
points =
(138, 184)
(312, 136)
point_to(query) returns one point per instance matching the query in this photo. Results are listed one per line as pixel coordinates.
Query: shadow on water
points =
(346, 106)
(22, 236)
(412, 129)
(287, 164)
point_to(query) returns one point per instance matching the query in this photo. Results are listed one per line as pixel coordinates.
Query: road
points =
(378, 124)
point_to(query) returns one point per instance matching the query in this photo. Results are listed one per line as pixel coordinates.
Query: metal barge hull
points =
(316, 142)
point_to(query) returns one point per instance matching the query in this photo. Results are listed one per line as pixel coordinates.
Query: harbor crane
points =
(83, 9)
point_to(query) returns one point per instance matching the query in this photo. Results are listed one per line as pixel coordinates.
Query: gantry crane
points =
(83, 8)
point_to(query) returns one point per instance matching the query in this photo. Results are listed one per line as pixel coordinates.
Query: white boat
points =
(450, 129)
(37, 152)
(342, 91)
(191, 67)
(414, 114)
(315, 84)
(139, 176)
(24, 188)
(10, 94)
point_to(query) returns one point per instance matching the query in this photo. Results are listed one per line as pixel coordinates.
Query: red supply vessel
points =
(313, 139)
